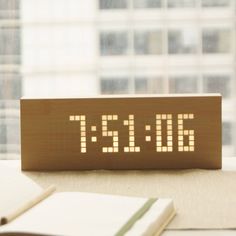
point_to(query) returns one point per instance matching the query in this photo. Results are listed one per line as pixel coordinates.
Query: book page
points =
(15, 190)
(77, 214)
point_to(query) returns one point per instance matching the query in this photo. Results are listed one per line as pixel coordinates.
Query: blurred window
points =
(147, 3)
(216, 41)
(181, 3)
(148, 42)
(182, 41)
(183, 84)
(112, 4)
(114, 85)
(113, 43)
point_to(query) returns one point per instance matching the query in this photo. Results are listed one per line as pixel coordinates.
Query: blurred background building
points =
(62, 48)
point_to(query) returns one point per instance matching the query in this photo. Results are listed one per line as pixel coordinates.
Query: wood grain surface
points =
(121, 133)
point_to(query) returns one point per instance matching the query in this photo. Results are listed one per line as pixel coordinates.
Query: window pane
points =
(10, 79)
(114, 85)
(216, 41)
(227, 133)
(148, 85)
(181, 3)
(10, 45)
(112, 4)
(9, 139)
(3, 132)
(113, 43)
(9, 41)
(9, 9)
(9, 127)
(183, 84)
(147, 3)
(13, 128)
(9, 5)
(148, 42)
(182, 41)
(10, 86)
(217, 84)
(215, 3)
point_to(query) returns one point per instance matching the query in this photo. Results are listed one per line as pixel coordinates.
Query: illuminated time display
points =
(136, 132)
(162, 121)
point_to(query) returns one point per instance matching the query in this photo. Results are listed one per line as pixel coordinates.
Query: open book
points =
(25, 208)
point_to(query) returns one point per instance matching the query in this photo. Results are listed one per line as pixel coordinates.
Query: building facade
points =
(93, 47)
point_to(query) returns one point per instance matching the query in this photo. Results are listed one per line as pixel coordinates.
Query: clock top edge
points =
(179, 95)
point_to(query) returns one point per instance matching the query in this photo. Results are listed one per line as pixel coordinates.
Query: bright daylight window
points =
(73, 48)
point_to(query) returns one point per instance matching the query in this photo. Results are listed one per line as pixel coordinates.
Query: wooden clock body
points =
(144, 132)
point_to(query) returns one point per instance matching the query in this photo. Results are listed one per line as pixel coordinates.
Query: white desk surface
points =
(229, 164)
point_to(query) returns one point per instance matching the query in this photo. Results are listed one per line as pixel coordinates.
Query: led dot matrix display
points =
(159, 144)
(113, 134)
(180, 131)
(160, 119)
(82, 122)
(130, 124)
(185, 133)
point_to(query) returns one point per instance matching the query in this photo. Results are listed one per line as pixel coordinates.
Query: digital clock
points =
(144, 132)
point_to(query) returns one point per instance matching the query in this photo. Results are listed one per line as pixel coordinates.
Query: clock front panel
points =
(121, 133)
